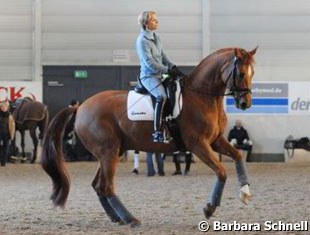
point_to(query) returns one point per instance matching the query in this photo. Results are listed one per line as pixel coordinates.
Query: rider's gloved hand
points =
(175, 72)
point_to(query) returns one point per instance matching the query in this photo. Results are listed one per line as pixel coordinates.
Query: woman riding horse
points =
(106, 131)
(154, 62)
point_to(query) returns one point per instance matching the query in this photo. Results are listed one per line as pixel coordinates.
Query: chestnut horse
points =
(105, 130)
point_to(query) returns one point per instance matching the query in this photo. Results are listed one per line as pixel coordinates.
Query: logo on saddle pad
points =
(140, 106)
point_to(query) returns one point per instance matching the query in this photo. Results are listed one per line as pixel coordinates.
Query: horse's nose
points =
(243, 105)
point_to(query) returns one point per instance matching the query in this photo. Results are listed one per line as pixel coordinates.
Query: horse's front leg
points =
(224, 147)
(206, 154)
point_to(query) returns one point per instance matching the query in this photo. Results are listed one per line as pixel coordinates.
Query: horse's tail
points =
(52, 159)
(46, 120)
(43, 126)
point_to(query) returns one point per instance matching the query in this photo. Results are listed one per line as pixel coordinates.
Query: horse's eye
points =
(242, 75)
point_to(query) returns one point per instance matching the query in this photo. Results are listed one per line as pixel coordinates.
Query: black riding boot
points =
(177, 164)
(188, 162)
(158, 134)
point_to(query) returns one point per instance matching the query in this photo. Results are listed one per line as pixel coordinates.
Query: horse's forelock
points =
(247, 58)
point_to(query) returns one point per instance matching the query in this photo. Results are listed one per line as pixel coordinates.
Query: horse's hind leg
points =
(103, 184)
(35, 144)
(43, 125)
(104, 201)
(22, 144)
(224, 147)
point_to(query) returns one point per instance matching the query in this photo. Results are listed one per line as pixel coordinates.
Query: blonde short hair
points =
(144, 17)
(4, 103)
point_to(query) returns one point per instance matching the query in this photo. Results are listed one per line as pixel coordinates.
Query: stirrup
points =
(158, 136)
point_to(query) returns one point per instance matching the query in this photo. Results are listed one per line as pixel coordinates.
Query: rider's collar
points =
(149, 34)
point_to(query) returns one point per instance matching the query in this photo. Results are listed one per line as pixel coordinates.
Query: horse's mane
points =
(247, 58)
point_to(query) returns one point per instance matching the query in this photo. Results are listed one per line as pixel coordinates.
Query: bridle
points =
(234, 90)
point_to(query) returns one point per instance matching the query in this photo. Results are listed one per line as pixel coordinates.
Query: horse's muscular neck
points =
(206, 79)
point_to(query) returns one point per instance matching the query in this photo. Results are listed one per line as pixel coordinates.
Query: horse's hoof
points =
(115, 220)
(244, 197)
(209, 210)
(135, 223)
(32, 161)
(122, 222)
(13, 158)
(24, 159)
(244, 194)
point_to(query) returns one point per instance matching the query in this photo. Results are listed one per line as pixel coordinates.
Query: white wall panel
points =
(15, 23)
(98, 57)
(15, 7)
(15, 73)
(120, 7)
(15, 40)
(260, 7)
(15, 57)
(124, 24)
(103, 26)
(282, 58)
(114, 41)
(283, 41)
(278, 73)
(262, 23)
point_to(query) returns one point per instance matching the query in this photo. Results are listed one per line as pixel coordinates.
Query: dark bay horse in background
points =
(30, 115)
(105, 130)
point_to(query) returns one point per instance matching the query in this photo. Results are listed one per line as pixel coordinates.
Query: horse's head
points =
(239, 79)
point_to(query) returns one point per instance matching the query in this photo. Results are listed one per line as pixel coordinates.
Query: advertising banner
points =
(287, 98)
(16, 90)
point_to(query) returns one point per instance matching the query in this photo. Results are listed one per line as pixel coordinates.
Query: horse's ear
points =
(238, 53)
(252, 53)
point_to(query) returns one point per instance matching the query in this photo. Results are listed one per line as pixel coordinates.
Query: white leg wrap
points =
(136, 161)
(244, 194)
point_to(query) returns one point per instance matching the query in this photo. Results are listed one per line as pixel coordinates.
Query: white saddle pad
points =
(140, 107)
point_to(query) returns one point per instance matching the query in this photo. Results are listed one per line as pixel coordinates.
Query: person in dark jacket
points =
(239, 138)
(7, 132)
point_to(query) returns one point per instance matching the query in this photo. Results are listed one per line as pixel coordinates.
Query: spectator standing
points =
(150, 164)
(7, 132)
